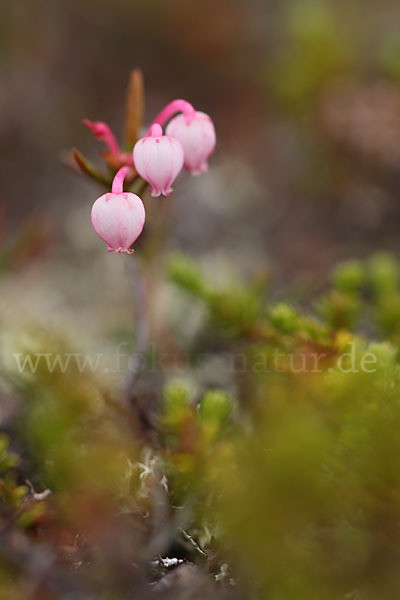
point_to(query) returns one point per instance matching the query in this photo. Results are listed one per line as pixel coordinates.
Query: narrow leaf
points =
(134, 108)
(88, 168)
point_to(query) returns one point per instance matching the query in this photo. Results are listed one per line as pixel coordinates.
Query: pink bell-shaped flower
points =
(196, 133)
(159, 160)
(118, 217)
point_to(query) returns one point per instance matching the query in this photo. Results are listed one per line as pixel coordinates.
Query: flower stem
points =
(118, 183)
(141, 325)
(171, 109)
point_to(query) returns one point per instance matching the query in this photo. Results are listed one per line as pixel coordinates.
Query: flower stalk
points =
(174, 107)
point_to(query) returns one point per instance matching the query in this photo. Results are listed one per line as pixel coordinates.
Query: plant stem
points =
(141, 325)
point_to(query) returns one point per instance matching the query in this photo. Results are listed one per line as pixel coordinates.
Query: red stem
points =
(172, 108)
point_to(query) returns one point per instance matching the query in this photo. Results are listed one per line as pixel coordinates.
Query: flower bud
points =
(118, 217)
(103, 132)
(196, 133)
(159, 160)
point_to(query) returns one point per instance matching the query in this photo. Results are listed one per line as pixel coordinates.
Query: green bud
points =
(176, 398)
(284, 317)
(215, 406)
(339, 310)
(186, 274)
(384, 274)
(349, 276)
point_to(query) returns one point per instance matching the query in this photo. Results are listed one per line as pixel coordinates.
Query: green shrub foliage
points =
(284, 484)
